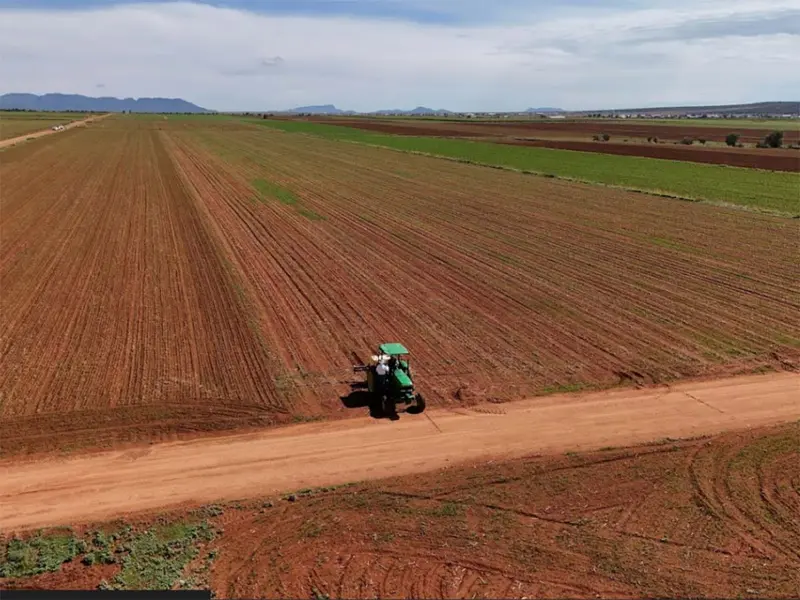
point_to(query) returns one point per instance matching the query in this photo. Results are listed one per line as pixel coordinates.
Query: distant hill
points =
(419, 110)
(424, 110)
(330, 109)
(545, 109)
(76, 102)
(321, 109)
(755, 108)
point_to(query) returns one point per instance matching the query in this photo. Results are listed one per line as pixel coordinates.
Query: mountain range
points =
(321, 109)
(330, 109)
(76, 102)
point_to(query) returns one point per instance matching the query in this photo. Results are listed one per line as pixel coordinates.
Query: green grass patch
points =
(268, 190)
(157, 557)
(447, 509)
(311, 529)
(567, 388)
(310, 214)
(151, 559)
(765, 190)
(41, 554)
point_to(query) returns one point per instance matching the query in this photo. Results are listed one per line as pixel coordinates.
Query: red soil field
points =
(118, 308)
(520, 134)
(149, 291)
(705, 518)
(712, 517)
(501, 284)
(558, 128)
(774, 160)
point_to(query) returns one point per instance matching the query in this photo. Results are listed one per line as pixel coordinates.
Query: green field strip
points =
(767, 191)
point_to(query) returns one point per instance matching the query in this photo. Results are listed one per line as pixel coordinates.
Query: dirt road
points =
(48, 131)
(106, 485)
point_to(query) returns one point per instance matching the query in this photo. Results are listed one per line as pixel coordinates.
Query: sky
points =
(463, 55)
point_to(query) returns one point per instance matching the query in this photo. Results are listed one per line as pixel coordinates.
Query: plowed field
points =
(119, 310)
(502, 285)
(182, 275)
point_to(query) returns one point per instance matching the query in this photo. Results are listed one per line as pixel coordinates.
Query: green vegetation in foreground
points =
(267, 189)
(771, 191)
(154, 559)
(157, 557)
(41, 554)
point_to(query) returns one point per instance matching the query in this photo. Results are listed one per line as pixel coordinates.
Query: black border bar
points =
(104, 595)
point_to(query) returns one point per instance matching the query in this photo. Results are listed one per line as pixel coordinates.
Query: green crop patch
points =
(41, 554)
(268, 190)
(152, 559)
(772, 191)
(157, 557)
(310, 214)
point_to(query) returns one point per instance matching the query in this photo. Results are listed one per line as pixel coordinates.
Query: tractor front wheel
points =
(418, 406)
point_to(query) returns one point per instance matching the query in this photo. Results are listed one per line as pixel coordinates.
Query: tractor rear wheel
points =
(418, 406)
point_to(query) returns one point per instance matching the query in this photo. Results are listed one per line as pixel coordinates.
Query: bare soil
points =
(768, 159)
(710, 517)
(105, 485)
(150, 292)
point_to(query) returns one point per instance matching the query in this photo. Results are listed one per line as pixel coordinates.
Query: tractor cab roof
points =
(393, 349)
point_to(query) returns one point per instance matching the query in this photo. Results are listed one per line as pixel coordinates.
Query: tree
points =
(774, 139)
(687, 141)
(606, 137)
(732, 139)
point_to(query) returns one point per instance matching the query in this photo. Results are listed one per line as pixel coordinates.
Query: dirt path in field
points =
(36, 134)
(105, 485)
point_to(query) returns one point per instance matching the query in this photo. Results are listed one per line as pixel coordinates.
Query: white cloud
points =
(710, 51)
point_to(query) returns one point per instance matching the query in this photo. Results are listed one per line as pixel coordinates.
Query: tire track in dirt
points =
(738, 483)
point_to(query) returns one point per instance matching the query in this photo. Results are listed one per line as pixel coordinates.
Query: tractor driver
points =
(381, 370)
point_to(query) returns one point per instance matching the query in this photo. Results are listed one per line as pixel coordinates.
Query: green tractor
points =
(389, 380)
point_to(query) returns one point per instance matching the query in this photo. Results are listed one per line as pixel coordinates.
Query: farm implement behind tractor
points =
(389, 380)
